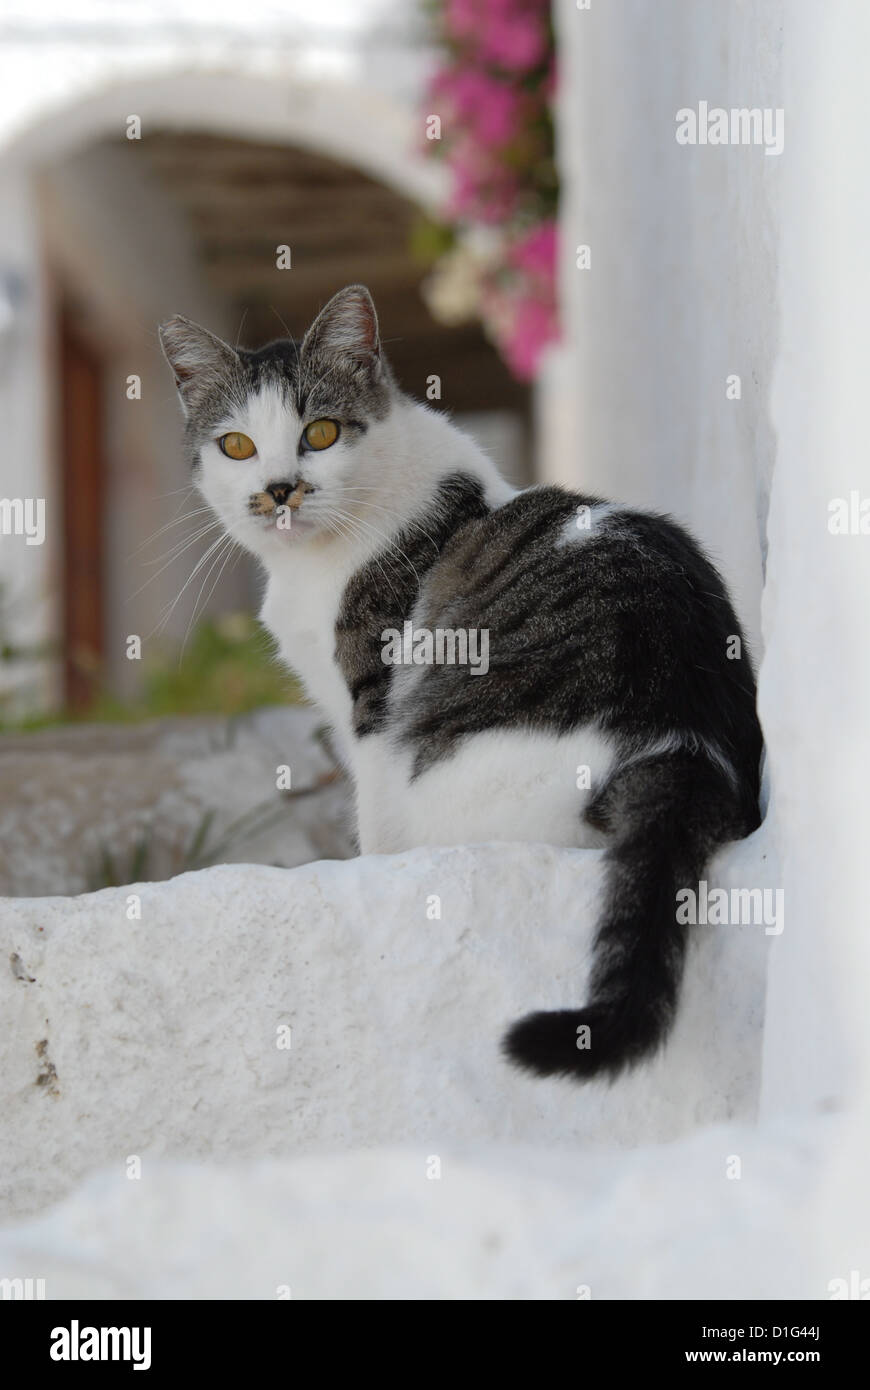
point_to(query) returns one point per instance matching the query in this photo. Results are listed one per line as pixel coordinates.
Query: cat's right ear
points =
(198, 359)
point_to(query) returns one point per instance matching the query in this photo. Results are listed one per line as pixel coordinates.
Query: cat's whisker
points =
(161, 496)
(388, 511)
(388, 542)
(225, 551)
(176, 521)
(180, 545)
(340, 520)
(396, 516)
(170, 609)
(182, 542)
(290, 337)
(234, 548)
(352, 524)
(329, 503)
(323, 375)
(175, 555)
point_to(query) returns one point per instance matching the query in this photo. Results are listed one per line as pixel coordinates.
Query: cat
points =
(609, 711)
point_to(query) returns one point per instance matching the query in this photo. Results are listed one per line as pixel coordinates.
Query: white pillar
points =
(815, 685)
(29, 573)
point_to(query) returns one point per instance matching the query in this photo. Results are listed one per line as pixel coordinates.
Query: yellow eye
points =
(320, 434)
(237, 446)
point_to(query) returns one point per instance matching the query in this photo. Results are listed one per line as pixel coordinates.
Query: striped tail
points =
(666, 815)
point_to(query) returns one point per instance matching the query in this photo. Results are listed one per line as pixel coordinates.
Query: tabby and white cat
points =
(610, 637)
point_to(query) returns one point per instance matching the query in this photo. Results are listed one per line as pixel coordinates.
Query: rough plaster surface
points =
(159, 1036)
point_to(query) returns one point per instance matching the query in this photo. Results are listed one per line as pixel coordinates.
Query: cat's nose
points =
(280, 492)
(289, 494)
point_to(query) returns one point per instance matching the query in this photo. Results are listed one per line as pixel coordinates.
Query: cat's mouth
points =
(277, 507)
(278, 497)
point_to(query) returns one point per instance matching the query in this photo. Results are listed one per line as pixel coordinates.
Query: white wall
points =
(681, 290)
(814, 682)
(713, 260)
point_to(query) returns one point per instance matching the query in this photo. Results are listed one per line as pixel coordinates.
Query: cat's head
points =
(285, 441)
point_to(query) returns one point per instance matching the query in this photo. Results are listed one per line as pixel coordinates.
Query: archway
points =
(121, 232)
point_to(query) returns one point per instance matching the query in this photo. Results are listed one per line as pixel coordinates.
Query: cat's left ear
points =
(199, 359)
(347, 326)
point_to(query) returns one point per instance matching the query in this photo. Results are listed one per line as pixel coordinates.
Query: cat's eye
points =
(237, 446)
(320, 434)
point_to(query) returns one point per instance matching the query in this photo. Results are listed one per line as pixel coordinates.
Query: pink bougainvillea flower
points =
(512, 34)
(485, 106)
(462, 18)
(483, 194)
(535, 326)
(496, 112)
(517, 42)
(536, 251)
(493, 96)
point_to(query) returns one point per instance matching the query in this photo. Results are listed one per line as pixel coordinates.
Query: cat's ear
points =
(348, 326)
(197, 358)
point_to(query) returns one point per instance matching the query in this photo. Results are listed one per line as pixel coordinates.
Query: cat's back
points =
(548, 551)
(590, 612)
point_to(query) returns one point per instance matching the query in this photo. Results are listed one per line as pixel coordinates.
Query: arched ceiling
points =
(242, 200)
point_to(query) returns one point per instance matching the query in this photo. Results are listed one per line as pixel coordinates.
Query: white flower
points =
(452, 291)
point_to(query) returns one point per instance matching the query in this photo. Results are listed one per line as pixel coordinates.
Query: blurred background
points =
(155, 159)
(549, 266)
(172, 193)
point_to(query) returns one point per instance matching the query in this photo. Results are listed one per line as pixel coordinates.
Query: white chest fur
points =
(301, 617)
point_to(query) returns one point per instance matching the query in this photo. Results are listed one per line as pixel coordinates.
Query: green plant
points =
(228, 668)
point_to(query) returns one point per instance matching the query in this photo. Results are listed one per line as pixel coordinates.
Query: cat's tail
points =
(666, 816)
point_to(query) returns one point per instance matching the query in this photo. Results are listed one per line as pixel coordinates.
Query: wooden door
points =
(82, 480)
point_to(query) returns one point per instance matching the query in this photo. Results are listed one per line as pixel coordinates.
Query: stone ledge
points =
(498, 1223)
(158, 1037)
